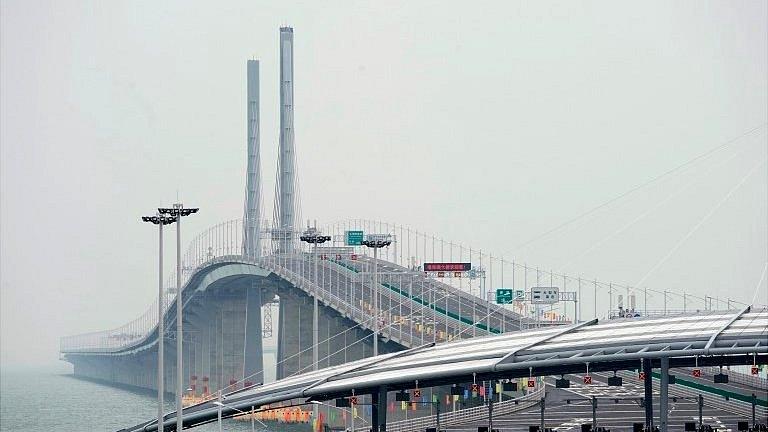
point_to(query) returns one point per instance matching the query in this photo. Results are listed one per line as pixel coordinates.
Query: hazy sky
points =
(486, 125)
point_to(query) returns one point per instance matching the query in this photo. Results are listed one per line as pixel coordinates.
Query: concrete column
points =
(294, 334)
(233, 336)
(664, 395)
(215, 378)
(253, 362)
(282, 328)
(205, 349)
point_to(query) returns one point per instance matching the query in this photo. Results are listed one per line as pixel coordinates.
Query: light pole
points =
(376, 241)
(178, 211)
(160, 221)
(314, 237)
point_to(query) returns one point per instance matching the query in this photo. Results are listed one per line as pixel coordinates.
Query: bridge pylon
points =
(287, 186)
(252, 211)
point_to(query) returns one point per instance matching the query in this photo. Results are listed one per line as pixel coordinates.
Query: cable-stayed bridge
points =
(227, 294)
(333, 301)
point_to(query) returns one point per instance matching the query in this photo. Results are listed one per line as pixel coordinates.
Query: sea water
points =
(50, 399)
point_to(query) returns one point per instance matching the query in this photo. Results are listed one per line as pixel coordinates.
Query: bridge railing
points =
(466, 415)
(410, 248)
(219, 240)
(302, 277)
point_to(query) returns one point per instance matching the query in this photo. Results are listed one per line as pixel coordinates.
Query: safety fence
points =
(467, 415)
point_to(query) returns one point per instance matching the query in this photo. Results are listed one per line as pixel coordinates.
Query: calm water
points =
(50, 400)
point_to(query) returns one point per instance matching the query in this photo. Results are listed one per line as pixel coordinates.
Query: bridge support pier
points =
(663, 395)
(648, 401)
(253, 363)
(294, 350)
(205, 352)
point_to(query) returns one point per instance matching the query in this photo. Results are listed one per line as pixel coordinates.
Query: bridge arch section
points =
(223, 346)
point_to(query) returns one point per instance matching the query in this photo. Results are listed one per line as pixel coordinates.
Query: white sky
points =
(486, 125)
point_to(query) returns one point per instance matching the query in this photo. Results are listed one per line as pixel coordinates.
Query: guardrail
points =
(737, 377)
(409, 247)
(466, 415)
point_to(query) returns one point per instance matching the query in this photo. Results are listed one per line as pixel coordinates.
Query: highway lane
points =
(439, 313)
(620, 416)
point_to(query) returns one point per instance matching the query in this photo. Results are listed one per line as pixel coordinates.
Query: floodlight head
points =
(154, 219)
(162, 210)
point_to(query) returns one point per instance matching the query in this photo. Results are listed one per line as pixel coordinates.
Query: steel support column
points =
(379, 410)
(648, 401)
(490, 410)
(664, 395)
(701, 411)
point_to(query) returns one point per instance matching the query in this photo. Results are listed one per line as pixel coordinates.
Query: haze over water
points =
(44, 400)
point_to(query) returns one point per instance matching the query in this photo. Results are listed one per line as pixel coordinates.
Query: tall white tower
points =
(286, 188)
(252, 216)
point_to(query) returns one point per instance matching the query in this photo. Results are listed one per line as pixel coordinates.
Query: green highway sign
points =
(354, 238)
(505, 296)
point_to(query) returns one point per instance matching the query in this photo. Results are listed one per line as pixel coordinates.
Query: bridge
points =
(337, 304)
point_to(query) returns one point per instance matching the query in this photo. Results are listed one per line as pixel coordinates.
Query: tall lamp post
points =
(160, 221)
(376, 241)
(314, 237)
(178, 211)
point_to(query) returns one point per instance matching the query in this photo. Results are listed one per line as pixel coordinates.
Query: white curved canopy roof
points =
(714, 337)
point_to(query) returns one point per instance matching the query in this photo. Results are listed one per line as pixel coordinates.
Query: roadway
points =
(415, 309)
(619, 407)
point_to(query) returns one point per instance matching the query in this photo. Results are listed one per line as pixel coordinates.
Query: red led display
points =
(449, 267)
